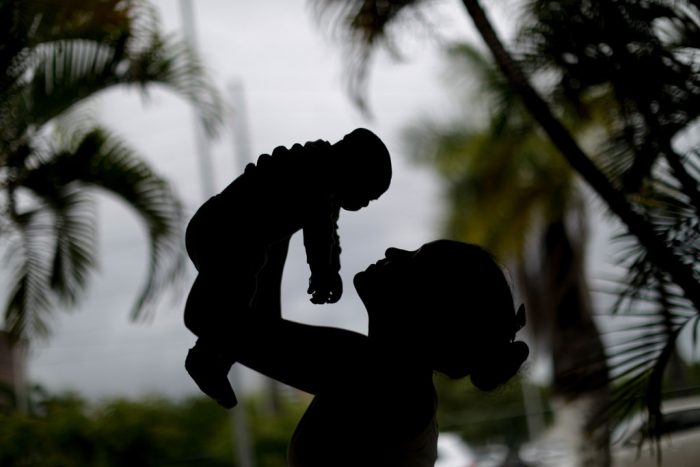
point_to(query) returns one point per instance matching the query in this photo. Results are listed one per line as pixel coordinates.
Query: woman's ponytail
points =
(499, 365)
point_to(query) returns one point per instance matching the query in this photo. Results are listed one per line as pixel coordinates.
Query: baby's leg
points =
(219, 300)
(228, 259)
(203, 236)
(209, 361)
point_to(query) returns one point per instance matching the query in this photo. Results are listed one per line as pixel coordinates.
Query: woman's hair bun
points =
(499, 365)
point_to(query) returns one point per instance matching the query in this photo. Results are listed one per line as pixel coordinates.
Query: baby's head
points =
(364, 169)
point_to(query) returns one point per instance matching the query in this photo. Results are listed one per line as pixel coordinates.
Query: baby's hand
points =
(325, 288)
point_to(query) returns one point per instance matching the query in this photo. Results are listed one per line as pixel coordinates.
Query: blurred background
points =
(119, 118)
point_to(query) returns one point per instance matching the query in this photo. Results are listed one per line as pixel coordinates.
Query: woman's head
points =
(450, 302)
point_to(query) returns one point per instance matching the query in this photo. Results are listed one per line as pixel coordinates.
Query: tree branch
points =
(663, 256)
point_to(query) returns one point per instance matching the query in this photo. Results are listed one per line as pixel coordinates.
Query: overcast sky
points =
(294, 92)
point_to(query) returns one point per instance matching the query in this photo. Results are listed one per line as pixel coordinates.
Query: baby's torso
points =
(278, 196)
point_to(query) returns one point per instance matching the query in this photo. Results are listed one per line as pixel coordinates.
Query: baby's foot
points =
(209, 370)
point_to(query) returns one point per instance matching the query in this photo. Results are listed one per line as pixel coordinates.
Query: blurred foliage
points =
(633, 67)
(688, 386)
(66, 431)
(55, 55)
(494, 199)
(640, 58)
(497, 417)
(528, 210)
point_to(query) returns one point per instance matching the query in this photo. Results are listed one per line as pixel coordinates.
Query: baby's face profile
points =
(354, 204)
(354, 200)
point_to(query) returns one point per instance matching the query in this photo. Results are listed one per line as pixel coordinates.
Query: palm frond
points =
(116, 168)
(73, 236)
(67, 72)
(173, 64)
(50, 69)
(577, 42)
(28, 25)
(30, 303)
(105, 21)
(638, 359)
(99, 160)
(483, 168)
(56, 54)
(362, 26)
(74, 253)
(492, 92)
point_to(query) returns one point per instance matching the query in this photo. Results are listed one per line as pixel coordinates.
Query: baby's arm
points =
(323, 255)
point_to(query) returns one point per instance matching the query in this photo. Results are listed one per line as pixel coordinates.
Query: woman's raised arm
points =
(306, 357)
(303, 356)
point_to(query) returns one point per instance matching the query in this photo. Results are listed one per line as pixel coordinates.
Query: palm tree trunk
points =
(677, 372)
(580, 373)
(13, 366)
(663, 256)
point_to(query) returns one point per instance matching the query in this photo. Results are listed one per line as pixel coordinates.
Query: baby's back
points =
(274, 197)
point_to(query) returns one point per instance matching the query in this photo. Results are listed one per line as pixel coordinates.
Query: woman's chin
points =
(363, 283)
(359, 280)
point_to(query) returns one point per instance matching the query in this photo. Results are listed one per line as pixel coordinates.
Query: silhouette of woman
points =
(445, 307)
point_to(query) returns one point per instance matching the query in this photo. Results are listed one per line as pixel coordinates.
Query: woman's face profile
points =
(410, 275)
(442, 302)
(404, 296)
(396, 288)
(382, 276)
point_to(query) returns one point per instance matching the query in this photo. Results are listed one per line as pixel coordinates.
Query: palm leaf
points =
(492, 93)
(52, 251)
(483, 168)
(30, 302)
(638, 360)
(173, 64)
(49, 70)
(42, 21)
(73, 231)
(55, 55)
(29, 24)
(362, 26)
(67, 72)
(99, 160)
(74, 253)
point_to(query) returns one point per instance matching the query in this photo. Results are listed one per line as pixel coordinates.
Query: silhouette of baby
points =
(232, 237)
(445, 307)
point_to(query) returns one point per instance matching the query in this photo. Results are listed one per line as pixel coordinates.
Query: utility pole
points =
(241, 131)
(206, 165)
(241, 151)
(238, 415)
